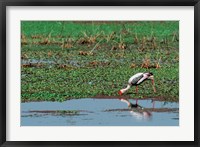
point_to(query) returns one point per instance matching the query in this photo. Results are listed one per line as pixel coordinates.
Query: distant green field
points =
(62, 60)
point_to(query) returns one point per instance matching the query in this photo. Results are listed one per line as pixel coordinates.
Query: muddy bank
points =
(113, 97)
(129, 97)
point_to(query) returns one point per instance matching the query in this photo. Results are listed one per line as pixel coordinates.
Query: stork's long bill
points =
(137, 79)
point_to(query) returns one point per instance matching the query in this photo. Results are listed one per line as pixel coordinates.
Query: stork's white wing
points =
(136, 76)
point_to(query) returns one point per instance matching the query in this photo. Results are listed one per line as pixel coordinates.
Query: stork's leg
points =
(136, 89)
(136, 101)
(153, 85)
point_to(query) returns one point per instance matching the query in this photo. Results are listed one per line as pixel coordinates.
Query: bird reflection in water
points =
(137, 110)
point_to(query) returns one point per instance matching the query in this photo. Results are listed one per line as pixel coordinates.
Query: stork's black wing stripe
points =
(134, 81)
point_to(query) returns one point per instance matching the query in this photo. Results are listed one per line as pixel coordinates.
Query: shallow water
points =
(100, 112)
(50, 62)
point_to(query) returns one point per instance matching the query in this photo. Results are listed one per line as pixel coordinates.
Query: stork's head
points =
(120, 92)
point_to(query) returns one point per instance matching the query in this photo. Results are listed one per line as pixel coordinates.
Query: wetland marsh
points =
(63, 60)
(71, 71)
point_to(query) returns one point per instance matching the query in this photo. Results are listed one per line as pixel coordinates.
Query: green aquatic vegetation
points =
(67, 112)
(100, 64)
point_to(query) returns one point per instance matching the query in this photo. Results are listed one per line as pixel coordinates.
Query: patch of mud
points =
(38, 113)
(59, 111)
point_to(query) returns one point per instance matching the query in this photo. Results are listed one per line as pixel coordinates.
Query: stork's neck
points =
(125, 89)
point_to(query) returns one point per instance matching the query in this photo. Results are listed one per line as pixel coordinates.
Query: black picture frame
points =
(5, 3)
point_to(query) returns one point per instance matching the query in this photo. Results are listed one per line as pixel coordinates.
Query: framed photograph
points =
(99, 73)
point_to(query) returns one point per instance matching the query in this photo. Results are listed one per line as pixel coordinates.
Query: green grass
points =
(86, 59)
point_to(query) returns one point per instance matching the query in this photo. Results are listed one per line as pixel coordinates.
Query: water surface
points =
(100, 112)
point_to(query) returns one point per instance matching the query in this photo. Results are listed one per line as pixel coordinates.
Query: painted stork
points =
(136, 80)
